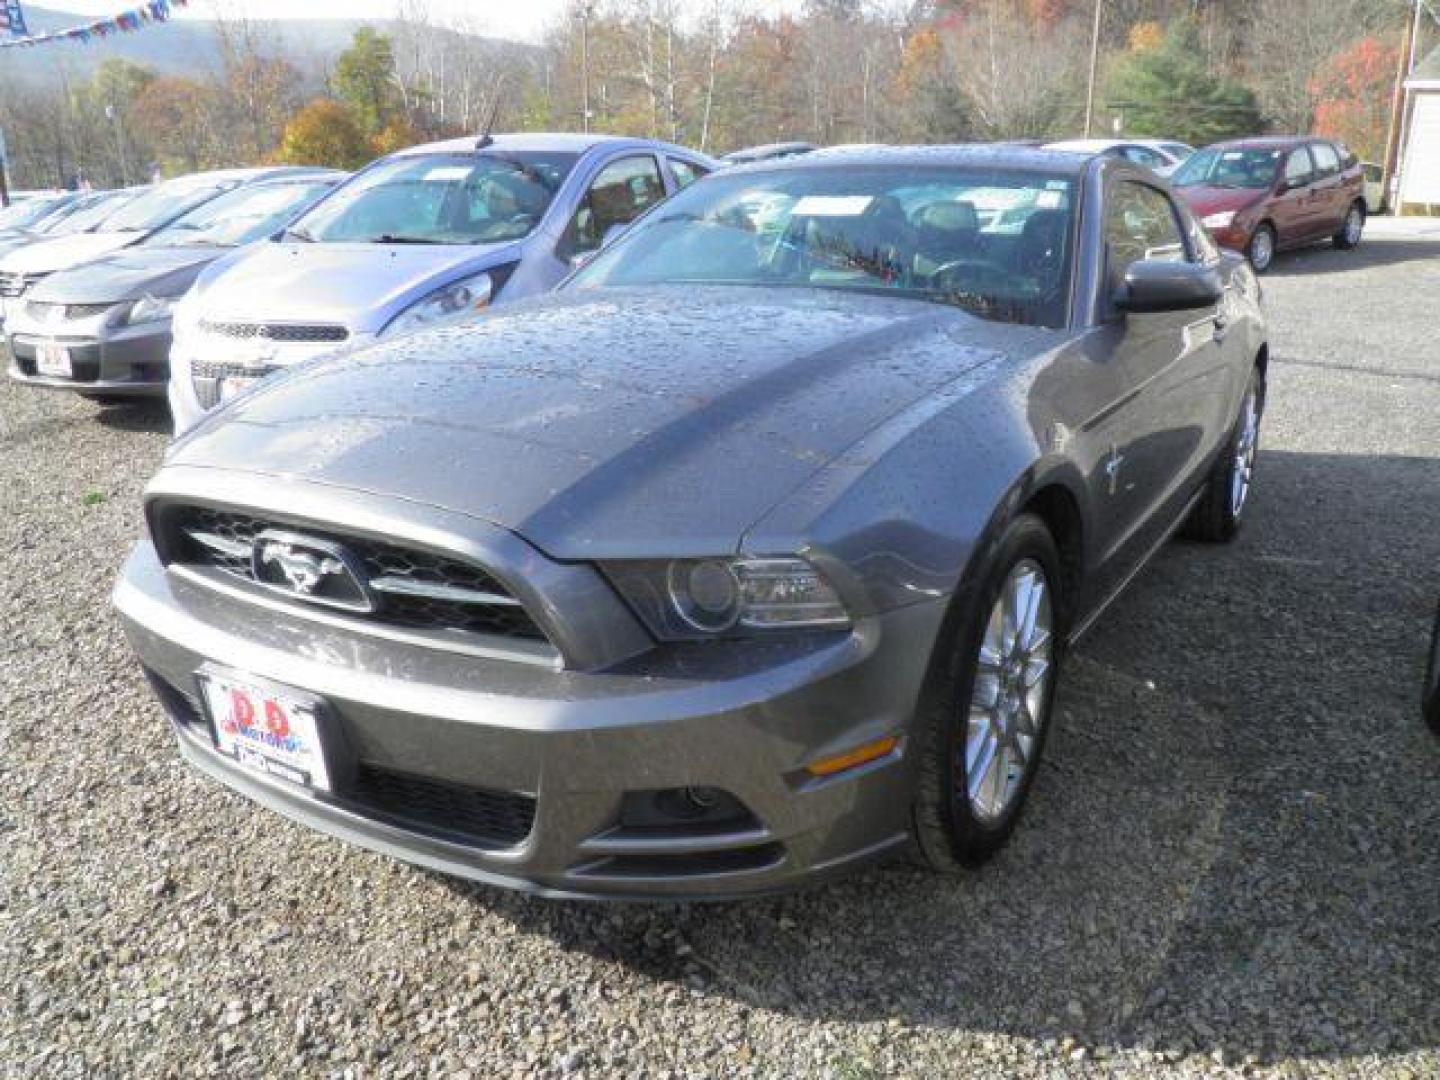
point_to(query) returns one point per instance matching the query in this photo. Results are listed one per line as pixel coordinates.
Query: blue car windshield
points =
(480, 197)
(239, 216)
(23, 214)
(994, 242)
(86, 213)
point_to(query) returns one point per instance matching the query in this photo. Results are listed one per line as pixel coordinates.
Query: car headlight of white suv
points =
(453, 303)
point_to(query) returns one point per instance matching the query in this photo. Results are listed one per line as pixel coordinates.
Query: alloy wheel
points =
(1011, 692)
(1354, 223)
(1262, 249)
(1242, 464)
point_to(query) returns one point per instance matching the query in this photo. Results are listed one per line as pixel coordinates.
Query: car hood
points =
(129, 274)
(63, 252)
(620, 422)
(1205, 200)
(358, 285)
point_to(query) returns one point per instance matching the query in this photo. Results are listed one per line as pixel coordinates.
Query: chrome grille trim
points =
(289, 332)
(399, 586)
(426, 593)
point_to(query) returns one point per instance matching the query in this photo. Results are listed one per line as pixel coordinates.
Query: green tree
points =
(324, 133)
(1167, 91)
(365, 80)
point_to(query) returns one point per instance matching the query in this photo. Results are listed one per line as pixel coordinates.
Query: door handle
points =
(1221, 324)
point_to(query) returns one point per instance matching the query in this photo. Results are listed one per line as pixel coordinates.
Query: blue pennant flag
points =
(12, 18)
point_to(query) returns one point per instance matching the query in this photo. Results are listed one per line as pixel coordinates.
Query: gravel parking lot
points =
(1231, 861)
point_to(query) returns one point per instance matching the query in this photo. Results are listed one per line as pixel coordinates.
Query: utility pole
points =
(1403, 67)
(1094, 63)
(585, 65)
(4, 165)
(113, 114)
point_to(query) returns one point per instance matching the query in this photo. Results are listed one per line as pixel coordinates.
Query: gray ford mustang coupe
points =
(748, 556)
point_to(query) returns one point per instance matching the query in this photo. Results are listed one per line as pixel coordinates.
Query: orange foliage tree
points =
(1352, 96)
(324, 133)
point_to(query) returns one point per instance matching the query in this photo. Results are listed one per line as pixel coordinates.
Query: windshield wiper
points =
(392, 238)
(299, 234)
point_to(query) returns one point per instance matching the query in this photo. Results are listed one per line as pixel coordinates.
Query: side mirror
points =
(1154, 285)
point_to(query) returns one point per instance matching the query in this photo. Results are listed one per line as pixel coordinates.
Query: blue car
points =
(430, 235)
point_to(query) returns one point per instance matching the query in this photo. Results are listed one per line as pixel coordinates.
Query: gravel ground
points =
(1229, 866)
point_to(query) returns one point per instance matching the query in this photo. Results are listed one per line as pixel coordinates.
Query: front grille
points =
(447, 810)
(43, 312)
(413, 589)
(208, 377)
(14, 284)
(290, 332)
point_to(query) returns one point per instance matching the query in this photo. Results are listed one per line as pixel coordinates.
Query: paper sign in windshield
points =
(831, 205)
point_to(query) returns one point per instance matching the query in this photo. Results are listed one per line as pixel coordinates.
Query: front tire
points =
(1216, 517)
(987, 703)
(1261, 249)
(1351, 228)
(1430, 700)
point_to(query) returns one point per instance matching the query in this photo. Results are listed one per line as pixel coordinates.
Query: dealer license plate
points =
(53, 360)
(266, 728)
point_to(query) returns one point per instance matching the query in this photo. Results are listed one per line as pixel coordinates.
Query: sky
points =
(521, 19)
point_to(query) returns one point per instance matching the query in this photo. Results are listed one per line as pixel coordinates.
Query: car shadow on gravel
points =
(143, 414)
(1325, 259)
(1232, 849)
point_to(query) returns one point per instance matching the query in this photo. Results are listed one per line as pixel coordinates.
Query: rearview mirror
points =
(1153, 285)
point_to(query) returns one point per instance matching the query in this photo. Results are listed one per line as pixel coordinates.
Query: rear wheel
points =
(1351, 228)
(987, 704)
(1261, 249)
(1216, 516)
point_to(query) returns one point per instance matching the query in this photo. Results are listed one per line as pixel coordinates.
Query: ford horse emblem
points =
(310, 569)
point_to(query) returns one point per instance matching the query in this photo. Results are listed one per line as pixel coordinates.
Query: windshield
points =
(463, 198)
(993, 242)
(87, 213)
(161, 205)
(22, 215)
(238, 216)
(1228, 168)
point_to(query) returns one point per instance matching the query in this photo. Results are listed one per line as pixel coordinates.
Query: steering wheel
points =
(954, 275)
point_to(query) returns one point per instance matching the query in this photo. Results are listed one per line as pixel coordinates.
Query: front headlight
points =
(686, 599)
(453, 303)
(1221, 220)
(150, 309)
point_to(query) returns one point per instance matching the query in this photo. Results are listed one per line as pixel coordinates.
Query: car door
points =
(1177, 378)
(1328, 198)
(1290, 209)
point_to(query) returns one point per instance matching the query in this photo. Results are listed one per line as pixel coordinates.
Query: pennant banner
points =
(11, 19)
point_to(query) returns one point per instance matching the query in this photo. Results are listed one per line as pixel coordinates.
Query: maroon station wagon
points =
(1261, 196)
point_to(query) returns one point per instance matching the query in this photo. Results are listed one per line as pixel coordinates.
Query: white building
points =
(1420, 162)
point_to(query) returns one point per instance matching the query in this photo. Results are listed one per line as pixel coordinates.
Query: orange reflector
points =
(861, 756)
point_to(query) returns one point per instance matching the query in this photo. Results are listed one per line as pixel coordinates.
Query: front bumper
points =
(573, 746)
(118, 361)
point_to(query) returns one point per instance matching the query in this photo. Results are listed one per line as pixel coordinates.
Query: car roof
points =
(540, 141)
(1266, 142)
(988, 155)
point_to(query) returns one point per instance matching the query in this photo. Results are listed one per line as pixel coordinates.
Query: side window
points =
(1143, 156)
(1139, 224)
(623, 191)
(1327, 161)
(1298, 170)
(686, 173)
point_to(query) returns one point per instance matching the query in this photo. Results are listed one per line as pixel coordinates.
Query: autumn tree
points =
(174, 115)
(1352, 96)
(325, 132)
(1167, 91)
